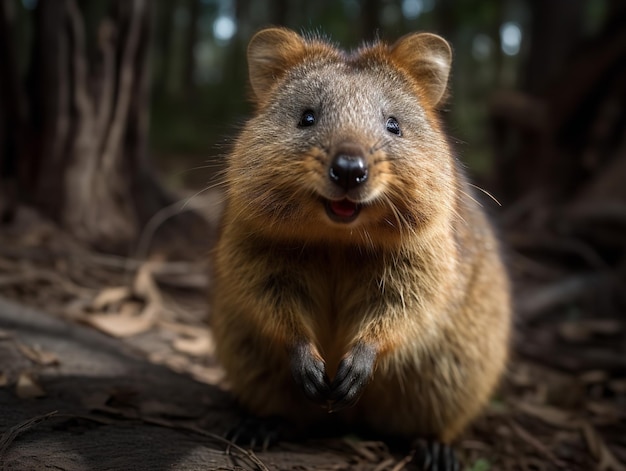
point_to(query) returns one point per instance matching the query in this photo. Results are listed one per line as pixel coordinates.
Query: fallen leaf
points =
(585, 330)
(178, 363)
(180, 328)
(213, 375)
(77, 308)
(618, 386)
(594, 377)
(27, 387)
(37, 355)
(145, 285)
(123, 325)
(179, 274)
(597, 447)
(4, 335)
(605, 409)
(131, 308)
(195, 281)
(111, 296)
(520, 375)
(199, 345)
(550, 415)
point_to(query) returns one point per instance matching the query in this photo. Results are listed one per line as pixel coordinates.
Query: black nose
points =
(348, 171)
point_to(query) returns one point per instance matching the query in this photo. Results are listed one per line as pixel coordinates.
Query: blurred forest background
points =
(97, 94)
(115, 116)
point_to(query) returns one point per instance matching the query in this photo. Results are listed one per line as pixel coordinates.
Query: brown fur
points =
(417, 276)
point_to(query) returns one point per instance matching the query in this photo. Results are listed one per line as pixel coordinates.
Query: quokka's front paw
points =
(353, 374)
(309, 372)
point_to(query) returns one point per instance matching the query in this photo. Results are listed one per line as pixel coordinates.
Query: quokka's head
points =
(343, 146)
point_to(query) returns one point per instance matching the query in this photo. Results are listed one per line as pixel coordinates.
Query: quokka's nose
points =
(348, 171)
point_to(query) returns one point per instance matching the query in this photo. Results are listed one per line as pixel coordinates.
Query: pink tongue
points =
(343, 208)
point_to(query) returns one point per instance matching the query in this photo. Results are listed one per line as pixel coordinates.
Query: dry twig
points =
(12, 433)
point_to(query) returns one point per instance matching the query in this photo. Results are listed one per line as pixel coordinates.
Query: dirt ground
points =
(106, 363)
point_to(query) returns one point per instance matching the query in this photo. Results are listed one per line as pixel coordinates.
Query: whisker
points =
(208, 164)
(380, 144)
(367, 238)
(487, 193)
(471, 197)
(198, 193)
(403, 224)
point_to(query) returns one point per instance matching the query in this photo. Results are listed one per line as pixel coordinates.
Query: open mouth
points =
(342, 210)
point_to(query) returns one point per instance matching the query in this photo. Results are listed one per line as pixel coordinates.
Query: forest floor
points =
(107, 363)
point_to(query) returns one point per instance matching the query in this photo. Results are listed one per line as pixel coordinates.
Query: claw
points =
(309, 371)
(353, 374)
(436, 456)
(251, 431)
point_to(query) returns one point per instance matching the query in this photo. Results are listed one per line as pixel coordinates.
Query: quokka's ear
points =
(427, 57)
(270, 53)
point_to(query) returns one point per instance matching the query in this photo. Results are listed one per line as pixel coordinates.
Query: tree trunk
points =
(165, 26)
(556, 30)
(280, 12)
(11, 112)
(370, 19)
(191, 38)
(86, 164)
(559, 140)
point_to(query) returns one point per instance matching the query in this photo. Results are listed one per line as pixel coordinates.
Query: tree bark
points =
(191, 37)
(556, 28)
(370, 23)
(98, 176)
(165, 25)
(11, 112)
(49, 120)
(86, 166)
(560, 139)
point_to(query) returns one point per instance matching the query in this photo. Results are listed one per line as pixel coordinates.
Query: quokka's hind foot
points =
(435, 456)
(256, 433)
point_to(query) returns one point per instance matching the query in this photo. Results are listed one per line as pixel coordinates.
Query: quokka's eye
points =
(393, 126)
(307, 119)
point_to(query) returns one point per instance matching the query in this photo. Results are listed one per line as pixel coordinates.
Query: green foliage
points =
(193, 117)
(480, 464)
(194, 126)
